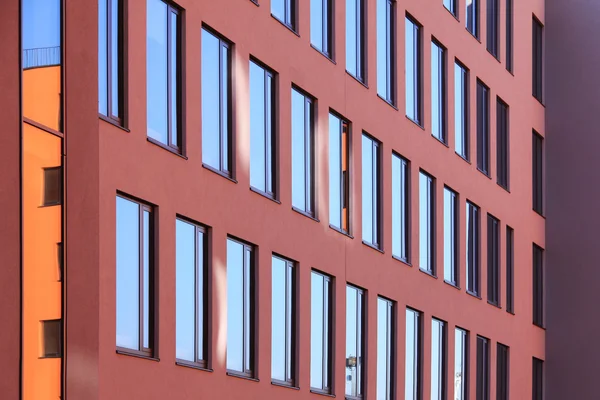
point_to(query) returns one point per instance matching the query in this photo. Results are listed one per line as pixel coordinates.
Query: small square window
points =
(52, 186)
(51, 339)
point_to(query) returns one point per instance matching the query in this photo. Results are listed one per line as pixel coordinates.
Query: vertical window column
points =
(438, 360)
(400, 208)
(493, 260)
(321, 32)
(386, 43)
(321, 333)
(355, 341)
(371, 191)
(537, 59)
(461, 110)
(339, 173)
(355, 39)
(412, 380)
(483, 128)
(283, 322)
(385, 349)
(502, 372)
(472, 22)
(509, 35)
(502, 144)
(537, 168)
(538, 379)
(510, 273)
(438, 91)
(303, 184)
(493, 21)
(472, 226)
(451, 6)
(461, 357)
(538, 286)
(427, 223)
(413, 66)
(451, 236)
(285, 12)
(110, 60)
(483, 369)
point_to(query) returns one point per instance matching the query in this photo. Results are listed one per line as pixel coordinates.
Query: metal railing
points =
(41, 57)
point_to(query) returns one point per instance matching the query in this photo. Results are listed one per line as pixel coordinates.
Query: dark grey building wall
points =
(573, 198)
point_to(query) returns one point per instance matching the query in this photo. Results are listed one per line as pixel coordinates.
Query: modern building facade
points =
(287, 198)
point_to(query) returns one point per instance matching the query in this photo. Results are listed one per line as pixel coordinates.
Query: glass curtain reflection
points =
(42, 213)
(282, 321)
(240, 308)
(354, 341)
(385, 349)
(320, 332)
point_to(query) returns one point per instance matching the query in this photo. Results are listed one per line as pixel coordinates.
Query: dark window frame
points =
(483, 128)
(493, 28)
(45, 326)
(502, 144)
(456, 237)
(361, 340)
(493, 260)
(432, 200)
(418, 70)
(294, 325)
(310, 109)
(442, 82)
(271, 108)
(361, 42)
(502, 371)
(152, 351)
(537, 74)
(120, 117)
(466, 109)
(538, 287)
(391, 336)
(483, 369)
(228, 137)
(52, 197)
(252, 298)
(376, 217)
(327, 364)
(345, 203)
(537, 379)
(391, 65)
(537, 150)
(510, 269)
(509, 36)
(473, 266)
(404, 198)
(326, 47)
(179, 138)
(206, 303)
(289, 7)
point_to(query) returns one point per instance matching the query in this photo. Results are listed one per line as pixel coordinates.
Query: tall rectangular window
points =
(111, 60)
(321, 334)
(400, 207)
(538, 379)
(461, 110)
(339, 173)
(371, 191)
(483, 369)
(438, 91)
(303, 184)
(191, 293)
(135, 277)
(461, 359)
(537, 157)
(451, 6)
(426, 223)
(283, 322)
(386, 347)
(472, 22)
(450, 236)
(241, 306)
(493, 21)
(163, 74)
(355, 342)
(216, 103)
(537, 59)
(493, 260)
(412, 380)
(413, 70)
(502, 143)
(509, 35)
(321, 26)
(285, 12)
(510, 269)
(473, 258)
(538, 286)
(386, 44)
(483, 128)
(502, 368)
(355, 39)
(262, 129)
(438, 360)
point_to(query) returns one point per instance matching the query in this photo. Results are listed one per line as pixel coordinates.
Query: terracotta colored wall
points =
(131, 164)
(572, 59)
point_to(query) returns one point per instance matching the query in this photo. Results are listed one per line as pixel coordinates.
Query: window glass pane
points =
(235, 306)
(156, 70)
(460, 110)
(173, 60)
(450, 228)
(299, 150)
(115, 28)
(128, 274)
(278, 9)
(410, 68)
(384, 45)
(146, 271)
(472, 225)
(210, 100)
(384, 349)
(103, 56)
(425, 222)
(483, 124)
(437, 91)
(317, 331)
(279, 318)
(473, 17)
(399, 208)
(437, 360)
(185, 291)
(368, 187)
(460, 360)
(257, 127)
(411, 382)
(354, 340)
(335, 171)
(316, 23)
(352, 36)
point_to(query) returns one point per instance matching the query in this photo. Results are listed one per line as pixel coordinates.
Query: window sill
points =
(371, 245)
(112, 122)
(322, 393)
(414, 122)
(263, 194)
(430, 274)
(357, 80)
(165, 147)
(440, 140)
(484, 173)
(189, 364)
(405, 262)
(289, 28)
(473, 294)
(464, 158)
(323, 54)
(389, 103)
(504, 187)
(136, 354)
(452, 285)
(307, 215)
(216, 171)
(236, 374)
(283, 385)
(338, 230)
(494, 304)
